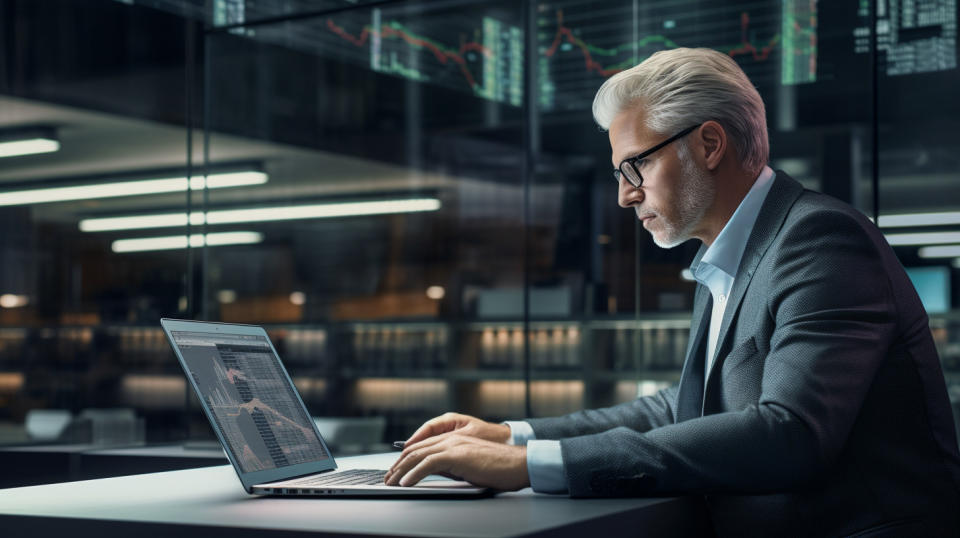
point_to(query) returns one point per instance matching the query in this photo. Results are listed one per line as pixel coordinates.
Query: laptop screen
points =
(251, 400)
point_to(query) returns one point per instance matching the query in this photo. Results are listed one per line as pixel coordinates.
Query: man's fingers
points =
(432, 464)
(409, 449)
(432, 427)
(411, 458)
(423, 432)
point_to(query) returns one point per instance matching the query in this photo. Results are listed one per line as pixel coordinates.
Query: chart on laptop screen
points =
(252, 402)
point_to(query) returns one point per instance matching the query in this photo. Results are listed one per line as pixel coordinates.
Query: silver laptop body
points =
(262, 423)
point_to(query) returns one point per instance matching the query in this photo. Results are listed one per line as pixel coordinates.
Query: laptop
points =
(262, 423)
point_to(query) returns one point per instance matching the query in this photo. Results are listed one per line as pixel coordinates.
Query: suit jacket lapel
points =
(783, 193)
(690, 395)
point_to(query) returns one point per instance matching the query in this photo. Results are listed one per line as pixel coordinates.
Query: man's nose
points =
(628, 195)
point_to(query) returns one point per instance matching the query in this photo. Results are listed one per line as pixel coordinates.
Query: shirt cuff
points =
(545, 467)
(520, 432)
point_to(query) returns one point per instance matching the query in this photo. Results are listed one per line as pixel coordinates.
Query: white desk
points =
(210, 502)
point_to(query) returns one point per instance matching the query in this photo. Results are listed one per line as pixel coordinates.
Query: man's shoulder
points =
(789, 205)
(811, 203)
(827, 215)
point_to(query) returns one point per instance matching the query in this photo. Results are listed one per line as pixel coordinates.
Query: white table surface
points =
(196, 501)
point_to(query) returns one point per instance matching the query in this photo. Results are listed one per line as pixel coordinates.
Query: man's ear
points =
(712, 140)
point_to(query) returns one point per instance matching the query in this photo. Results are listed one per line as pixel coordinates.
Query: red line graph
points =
(747, 47)
(442, 56)
(589, 63)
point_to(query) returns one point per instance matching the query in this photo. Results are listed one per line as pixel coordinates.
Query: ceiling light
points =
(948, 251)
(298, 298)
(932, 238)
(130, 188)
(180, 241)
(919, 219)
(262, 214)
(29, 146)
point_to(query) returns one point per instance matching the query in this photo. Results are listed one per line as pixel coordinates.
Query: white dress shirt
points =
(718, 267)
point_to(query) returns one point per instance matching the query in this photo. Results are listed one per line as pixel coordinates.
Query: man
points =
(811, 402)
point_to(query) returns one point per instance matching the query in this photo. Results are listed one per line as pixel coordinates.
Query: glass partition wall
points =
(412, 196)
(93, 121)
(393, 227)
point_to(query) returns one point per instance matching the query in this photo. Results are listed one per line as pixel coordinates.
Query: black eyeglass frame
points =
(632, 161)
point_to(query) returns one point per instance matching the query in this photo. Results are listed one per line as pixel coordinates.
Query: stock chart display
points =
(913, 36)
(478, 47)
(485, 58)
(579, 44)
(469, 52)
(583, 42)
(252, 404)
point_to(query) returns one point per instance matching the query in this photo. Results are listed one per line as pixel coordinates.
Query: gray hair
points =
(683, 87)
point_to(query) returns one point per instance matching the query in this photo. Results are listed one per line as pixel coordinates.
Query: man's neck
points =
(731, 188)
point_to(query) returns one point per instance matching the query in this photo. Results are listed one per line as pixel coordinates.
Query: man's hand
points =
(478, 461)
(462, 424)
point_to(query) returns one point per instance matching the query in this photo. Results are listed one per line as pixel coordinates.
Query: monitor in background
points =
(933, 287)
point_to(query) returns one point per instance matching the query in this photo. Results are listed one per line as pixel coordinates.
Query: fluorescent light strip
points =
(319, 211)
(263, 214)
(32, 146)
(949, 251)
(919, 219)
(180, 241)
(130, 188)
(932, 238)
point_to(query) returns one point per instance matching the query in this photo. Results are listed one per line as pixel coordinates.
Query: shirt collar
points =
(727, 249)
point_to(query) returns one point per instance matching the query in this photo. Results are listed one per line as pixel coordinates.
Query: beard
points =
(694, 194)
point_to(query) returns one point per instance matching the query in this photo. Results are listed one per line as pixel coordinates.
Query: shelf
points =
(513, 375)
(354, 373)
(672, 376)
(612, 359)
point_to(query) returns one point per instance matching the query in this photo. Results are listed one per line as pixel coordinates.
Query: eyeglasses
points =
(629, 169)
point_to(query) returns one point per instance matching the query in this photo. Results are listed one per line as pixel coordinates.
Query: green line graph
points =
(774, 42)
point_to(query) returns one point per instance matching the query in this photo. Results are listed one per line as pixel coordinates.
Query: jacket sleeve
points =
(640, 415)
(830, 300)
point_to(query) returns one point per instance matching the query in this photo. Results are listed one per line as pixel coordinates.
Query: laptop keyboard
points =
(351, 477)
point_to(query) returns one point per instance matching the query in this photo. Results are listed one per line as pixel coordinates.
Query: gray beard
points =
(696, 193)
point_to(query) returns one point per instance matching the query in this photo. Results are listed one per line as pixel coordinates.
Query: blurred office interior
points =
(411, 196)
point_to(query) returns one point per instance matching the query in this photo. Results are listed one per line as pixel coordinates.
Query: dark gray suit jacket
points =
(825, 412)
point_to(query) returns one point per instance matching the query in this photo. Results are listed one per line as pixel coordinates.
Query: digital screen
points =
(582, 42)
(482, 55)
(479, 54)
(933, 287)
(913, 36)
(251, 400)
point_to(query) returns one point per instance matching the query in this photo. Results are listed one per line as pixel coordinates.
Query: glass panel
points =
(81, 356)
(389, 234)
(918, 160)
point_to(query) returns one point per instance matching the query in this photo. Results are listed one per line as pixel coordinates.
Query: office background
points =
(411, 196)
